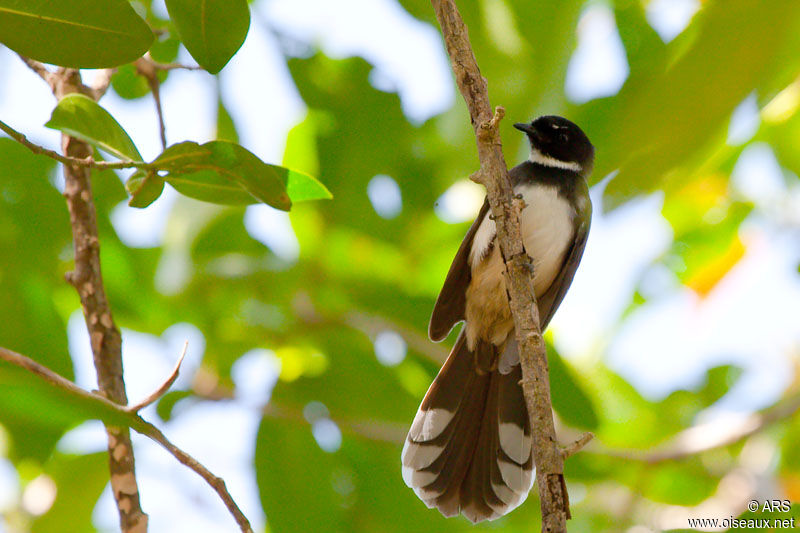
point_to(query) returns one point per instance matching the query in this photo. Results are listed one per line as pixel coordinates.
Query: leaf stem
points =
(84, 162)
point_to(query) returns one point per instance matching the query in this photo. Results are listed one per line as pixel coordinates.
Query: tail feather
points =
(480, 502)
(469, 448)
(514, 455)
(453, 462)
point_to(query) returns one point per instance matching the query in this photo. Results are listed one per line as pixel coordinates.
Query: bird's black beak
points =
(527, 128)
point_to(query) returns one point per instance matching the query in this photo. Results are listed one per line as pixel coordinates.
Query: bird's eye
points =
(563, 137)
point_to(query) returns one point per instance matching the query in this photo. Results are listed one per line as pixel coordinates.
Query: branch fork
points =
(577, 445)
(489, 130)
(162, 390)
(105, 337)
(99, 399)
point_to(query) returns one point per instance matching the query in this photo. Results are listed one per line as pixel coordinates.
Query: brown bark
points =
(493, 175)
(105, 338)
(104, 335)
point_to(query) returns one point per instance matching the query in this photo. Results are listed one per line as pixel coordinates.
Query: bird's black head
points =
(557, 142)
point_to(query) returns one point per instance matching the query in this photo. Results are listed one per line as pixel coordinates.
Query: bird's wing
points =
(450, 305)
(551, 299)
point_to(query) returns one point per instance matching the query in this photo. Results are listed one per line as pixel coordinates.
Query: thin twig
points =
(155, 88)
(114, 413)
(56, 380)
(175, 66)
(83, 162)
(167, 66)
(64, 80)
(215, 482)
(162, 390)
(576, 446)
(147, 68)
(549, 461)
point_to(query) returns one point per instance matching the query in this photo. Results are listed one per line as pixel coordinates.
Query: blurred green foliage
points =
(358, 273)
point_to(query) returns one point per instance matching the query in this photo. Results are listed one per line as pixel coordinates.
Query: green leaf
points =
(570, 401)
(222, 172)
(32, 284)
(719, 380)
(184, 161)
(226, 129)
(212, 30)
(288, 462)
(144, 188)
(357, 488)
(91, 34)
(80, 480)
(165, 49)
(302, 187)
(166, 405)
(301, 146)
(81, 117)
(685, 107)
(128, 84)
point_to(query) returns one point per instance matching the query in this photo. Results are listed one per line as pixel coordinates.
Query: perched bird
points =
(469, 447)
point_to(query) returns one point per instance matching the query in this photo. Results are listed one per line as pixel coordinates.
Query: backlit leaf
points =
(570, 401)
(89, 34)
(224, 173)
(144, 188)
(212, 30)
(81, 117)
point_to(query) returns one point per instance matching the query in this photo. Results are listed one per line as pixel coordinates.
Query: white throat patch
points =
(546, 160)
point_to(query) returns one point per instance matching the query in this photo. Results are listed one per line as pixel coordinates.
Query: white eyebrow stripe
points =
(546, 160)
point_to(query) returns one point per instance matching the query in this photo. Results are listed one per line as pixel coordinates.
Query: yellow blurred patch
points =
(791, 486)
(706, 277)
(413, 378)
(689, 202)
(299, 361)
(784, 105)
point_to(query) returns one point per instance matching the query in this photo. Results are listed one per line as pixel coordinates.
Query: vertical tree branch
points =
(105, 338)
(493, 175)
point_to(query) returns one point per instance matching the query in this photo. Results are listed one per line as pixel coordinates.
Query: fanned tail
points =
(469, 447)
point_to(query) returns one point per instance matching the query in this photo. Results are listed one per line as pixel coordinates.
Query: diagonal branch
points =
(710, 436)
(83, 162)
(113, 413)
(493, 175)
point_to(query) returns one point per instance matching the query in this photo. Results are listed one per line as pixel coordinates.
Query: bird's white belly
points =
(547, 232)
